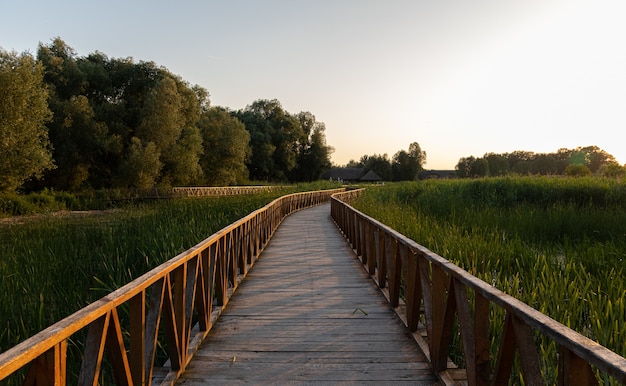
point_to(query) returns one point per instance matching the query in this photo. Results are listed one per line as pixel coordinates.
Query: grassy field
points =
(558, 244)
(53, 264)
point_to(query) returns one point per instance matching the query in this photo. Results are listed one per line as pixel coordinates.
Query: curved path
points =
(308, 313)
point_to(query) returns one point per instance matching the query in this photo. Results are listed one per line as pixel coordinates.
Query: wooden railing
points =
(179, 299)
(436, 304)
(199, 191)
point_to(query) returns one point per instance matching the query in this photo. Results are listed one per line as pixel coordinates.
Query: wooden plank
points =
(308, 312)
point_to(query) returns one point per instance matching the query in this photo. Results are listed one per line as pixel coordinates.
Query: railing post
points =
(574, 371)
(138, 337)
(49, 369)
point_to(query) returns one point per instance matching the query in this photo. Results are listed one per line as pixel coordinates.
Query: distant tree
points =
(405, 165)
(472, 167)
(480, 168)
(313, 153)
(519, 157)
(577, 170)
(378, 163)
(355, 164)
(498, 164)
(274, 138)
(543, 164)
(226, 148)
(521, 168)
(612, 170)
(24, 143)
(463, 166)
(597, 157)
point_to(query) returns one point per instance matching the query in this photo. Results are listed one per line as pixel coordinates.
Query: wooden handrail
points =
(439, 293)
(184, 296)
(201, 191)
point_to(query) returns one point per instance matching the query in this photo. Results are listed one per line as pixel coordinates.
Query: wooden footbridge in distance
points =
(313, 308)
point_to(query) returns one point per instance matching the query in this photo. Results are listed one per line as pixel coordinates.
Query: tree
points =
(141, 166)
(226, 148)
(612, 170)
(81, 142)
(24, 143)
(313, 153)
(577, 170)
(498, 164)
(275, 136)
(406, 165)
(169, 116)
(544, 164)
(597, 157)
(379, 164)
(472, 167)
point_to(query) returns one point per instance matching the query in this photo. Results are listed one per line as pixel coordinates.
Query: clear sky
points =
(460, 77)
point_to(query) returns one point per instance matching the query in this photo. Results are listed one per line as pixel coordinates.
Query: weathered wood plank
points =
(308, 312)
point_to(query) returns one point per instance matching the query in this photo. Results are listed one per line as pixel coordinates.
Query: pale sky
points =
(460, 77)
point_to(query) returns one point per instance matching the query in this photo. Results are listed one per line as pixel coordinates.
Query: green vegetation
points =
(73, 123)
(24, 143)
(557, 244)
(404, 165)
(54, 265)
(578, 162)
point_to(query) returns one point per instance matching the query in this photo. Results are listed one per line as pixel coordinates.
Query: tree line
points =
(405, 165)
(581, 161)
(70, 123)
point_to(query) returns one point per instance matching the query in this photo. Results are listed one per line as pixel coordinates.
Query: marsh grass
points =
(52, 266)
(557, 244)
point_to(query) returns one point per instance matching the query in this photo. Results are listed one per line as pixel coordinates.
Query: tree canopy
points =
(284, 146)
(579, 161)
(404, 166)
(24, 143)
(71, 122)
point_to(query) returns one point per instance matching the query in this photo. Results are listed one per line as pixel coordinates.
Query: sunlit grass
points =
(557, 244)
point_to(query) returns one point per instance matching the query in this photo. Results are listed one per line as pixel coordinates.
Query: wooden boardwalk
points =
(308, 313)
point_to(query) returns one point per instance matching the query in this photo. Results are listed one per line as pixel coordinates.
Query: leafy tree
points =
(274, 138)
(80, 140)
(184, 159)
(141, 166)
(169, 116)
(62, 73)
(597, 157)
(313, 153)
(480, 168)
(543, 164)
(472, 167)
(24, 142)
(226, 148)
(498, 164)
(380, 164)
(577, 170)
(405, 165)
(612, 170)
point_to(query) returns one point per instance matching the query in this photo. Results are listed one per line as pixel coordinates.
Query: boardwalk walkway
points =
(308, 313)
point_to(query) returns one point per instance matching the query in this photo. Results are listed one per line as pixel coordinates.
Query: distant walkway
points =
(308, 313)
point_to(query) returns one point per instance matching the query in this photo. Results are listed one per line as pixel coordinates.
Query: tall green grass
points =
(557, 244)
(51, 266)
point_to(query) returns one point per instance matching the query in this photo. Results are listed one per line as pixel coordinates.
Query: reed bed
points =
(52, 265)
(557, 244)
